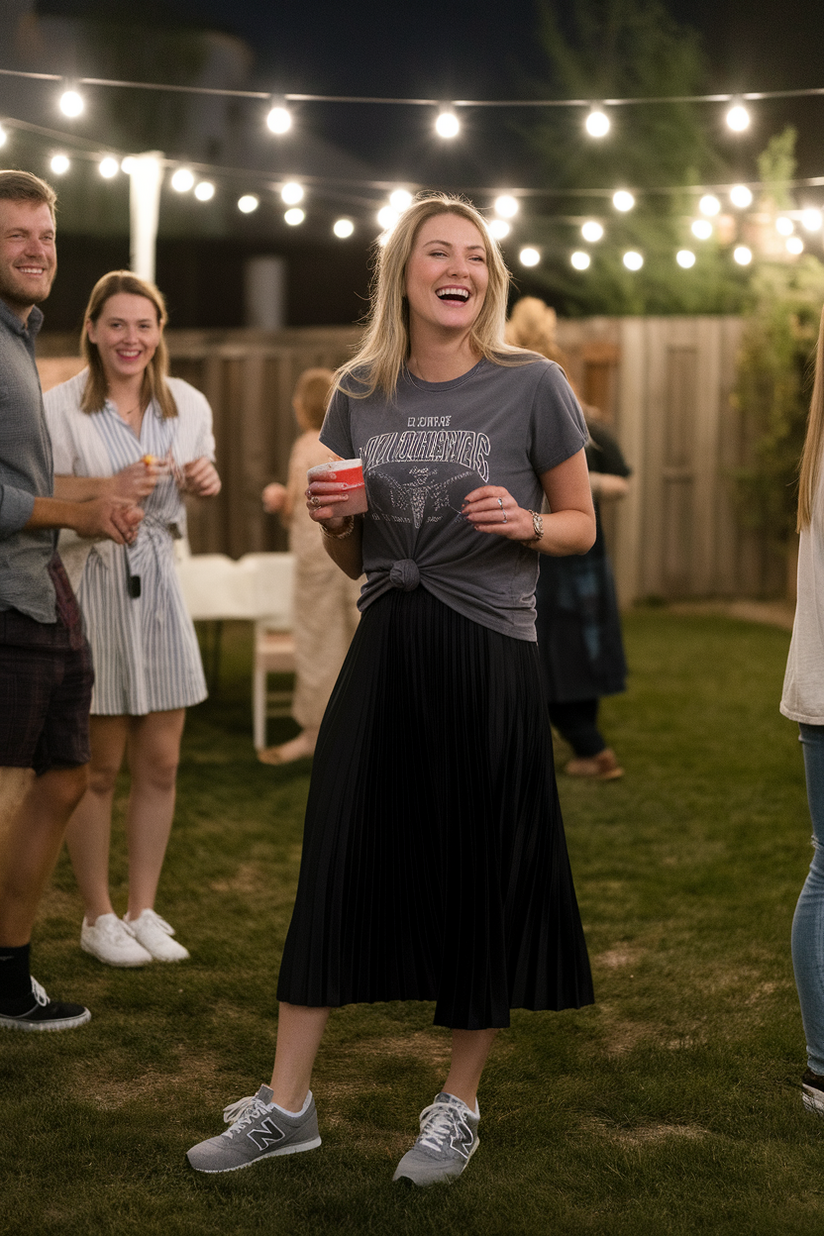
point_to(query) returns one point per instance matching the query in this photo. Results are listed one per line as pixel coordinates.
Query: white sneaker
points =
(154, 933)
(110, 941)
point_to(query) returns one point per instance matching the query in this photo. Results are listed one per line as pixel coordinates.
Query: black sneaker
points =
(812, 1092)
(44, 1014)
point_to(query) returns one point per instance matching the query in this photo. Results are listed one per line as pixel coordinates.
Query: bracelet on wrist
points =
(537, 528)
(340, 534)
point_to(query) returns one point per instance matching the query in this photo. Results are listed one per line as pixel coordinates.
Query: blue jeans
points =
(808, 921)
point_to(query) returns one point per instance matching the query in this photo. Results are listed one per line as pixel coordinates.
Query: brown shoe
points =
(600, 767)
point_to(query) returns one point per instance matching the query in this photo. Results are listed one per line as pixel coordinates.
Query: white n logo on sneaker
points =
(267, 1133)
(463, 1138)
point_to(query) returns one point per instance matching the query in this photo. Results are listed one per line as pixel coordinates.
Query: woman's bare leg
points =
(470, 1049)
(154, 753)
(88, 834)
(300, 1031)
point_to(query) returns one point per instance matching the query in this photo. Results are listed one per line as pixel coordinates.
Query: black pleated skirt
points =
(434, 863)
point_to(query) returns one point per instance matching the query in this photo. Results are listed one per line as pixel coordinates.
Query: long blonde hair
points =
(154, 375)
(813, 442)
(385, 347)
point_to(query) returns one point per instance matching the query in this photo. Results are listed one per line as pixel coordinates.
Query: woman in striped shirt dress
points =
(122, 426)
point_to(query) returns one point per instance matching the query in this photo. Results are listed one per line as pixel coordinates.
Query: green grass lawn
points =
(671, 1106)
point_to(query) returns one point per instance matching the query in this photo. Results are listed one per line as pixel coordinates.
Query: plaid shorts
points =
(46, 683)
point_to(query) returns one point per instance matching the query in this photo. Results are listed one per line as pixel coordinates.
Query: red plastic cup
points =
(348, 474)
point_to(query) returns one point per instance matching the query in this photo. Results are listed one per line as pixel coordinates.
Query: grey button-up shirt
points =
(26, 472)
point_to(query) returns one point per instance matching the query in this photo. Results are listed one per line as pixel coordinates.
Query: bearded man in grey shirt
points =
(45, 664)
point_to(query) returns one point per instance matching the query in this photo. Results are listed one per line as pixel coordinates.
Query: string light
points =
(597, 123)
(108, 167)
(343, 228)
(738, 118)
(741, 196)
(447, 124)
(742, 255)
(3, 136)
(685, 258)
(401, 199)
(506, 206)
(592, 231)
(204, 191)
(633, 260)
(795, 245)
(499, 229)
(71, 103)
(182, 180)
(294, 217)
(248, 203)
(292, 193)
(279, 119)
(784, 226)
(387, 217)
(529, 256)
(701, 229)
(623, 200)
(580, 260)
(709, 204)
(127, 165)
(60, 164)
(811, 220)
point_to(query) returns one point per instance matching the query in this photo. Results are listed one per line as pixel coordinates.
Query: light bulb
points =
(401, 199)
(741, 196)
(738, 118)
(3, 136)
(623, 200)
(784, 226)
(701, 229)
(506, 206)
(387, 217)
(795, 245)
(182, 180)
(580, 260)
(108, 167)
(71, 103)
(811, 220)
(709, 204)
(248, 203)
(633, 260)
(498, 228)
(597, 123)
(343, 228)
(279, 119)
(60, 165)
(294, 216)
(685, 258)
(529, 256)
(292, 193)
(447, 124)
(204, 191)
(742, 255)
(127, 165)
(592, 231)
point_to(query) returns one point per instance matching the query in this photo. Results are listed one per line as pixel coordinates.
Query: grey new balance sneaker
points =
(259, 1130)
(447, 1141)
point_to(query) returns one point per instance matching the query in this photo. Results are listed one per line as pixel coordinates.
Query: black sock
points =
(15, 976)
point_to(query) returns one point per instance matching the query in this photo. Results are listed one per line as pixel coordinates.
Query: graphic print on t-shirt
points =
(419, 475)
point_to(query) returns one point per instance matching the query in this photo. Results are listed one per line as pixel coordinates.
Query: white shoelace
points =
(39, 993)
(243, 1110)
(438, 1122)
(156, 921)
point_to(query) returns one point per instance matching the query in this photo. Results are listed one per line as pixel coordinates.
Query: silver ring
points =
(500, 502)
(504, 516)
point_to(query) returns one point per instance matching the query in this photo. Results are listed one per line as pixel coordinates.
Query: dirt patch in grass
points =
(621, 955)
(248, 878)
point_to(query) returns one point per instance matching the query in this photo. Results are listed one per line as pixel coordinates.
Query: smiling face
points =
(28, 259)
(446, 276)
(126, 334)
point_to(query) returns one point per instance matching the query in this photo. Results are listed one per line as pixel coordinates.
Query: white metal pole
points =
(145, 175)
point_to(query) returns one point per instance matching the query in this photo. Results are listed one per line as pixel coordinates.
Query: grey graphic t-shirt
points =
(424, 452)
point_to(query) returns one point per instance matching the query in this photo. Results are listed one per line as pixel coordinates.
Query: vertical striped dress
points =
(144, 648)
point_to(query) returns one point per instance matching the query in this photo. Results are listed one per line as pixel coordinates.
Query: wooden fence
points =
(663, 383)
